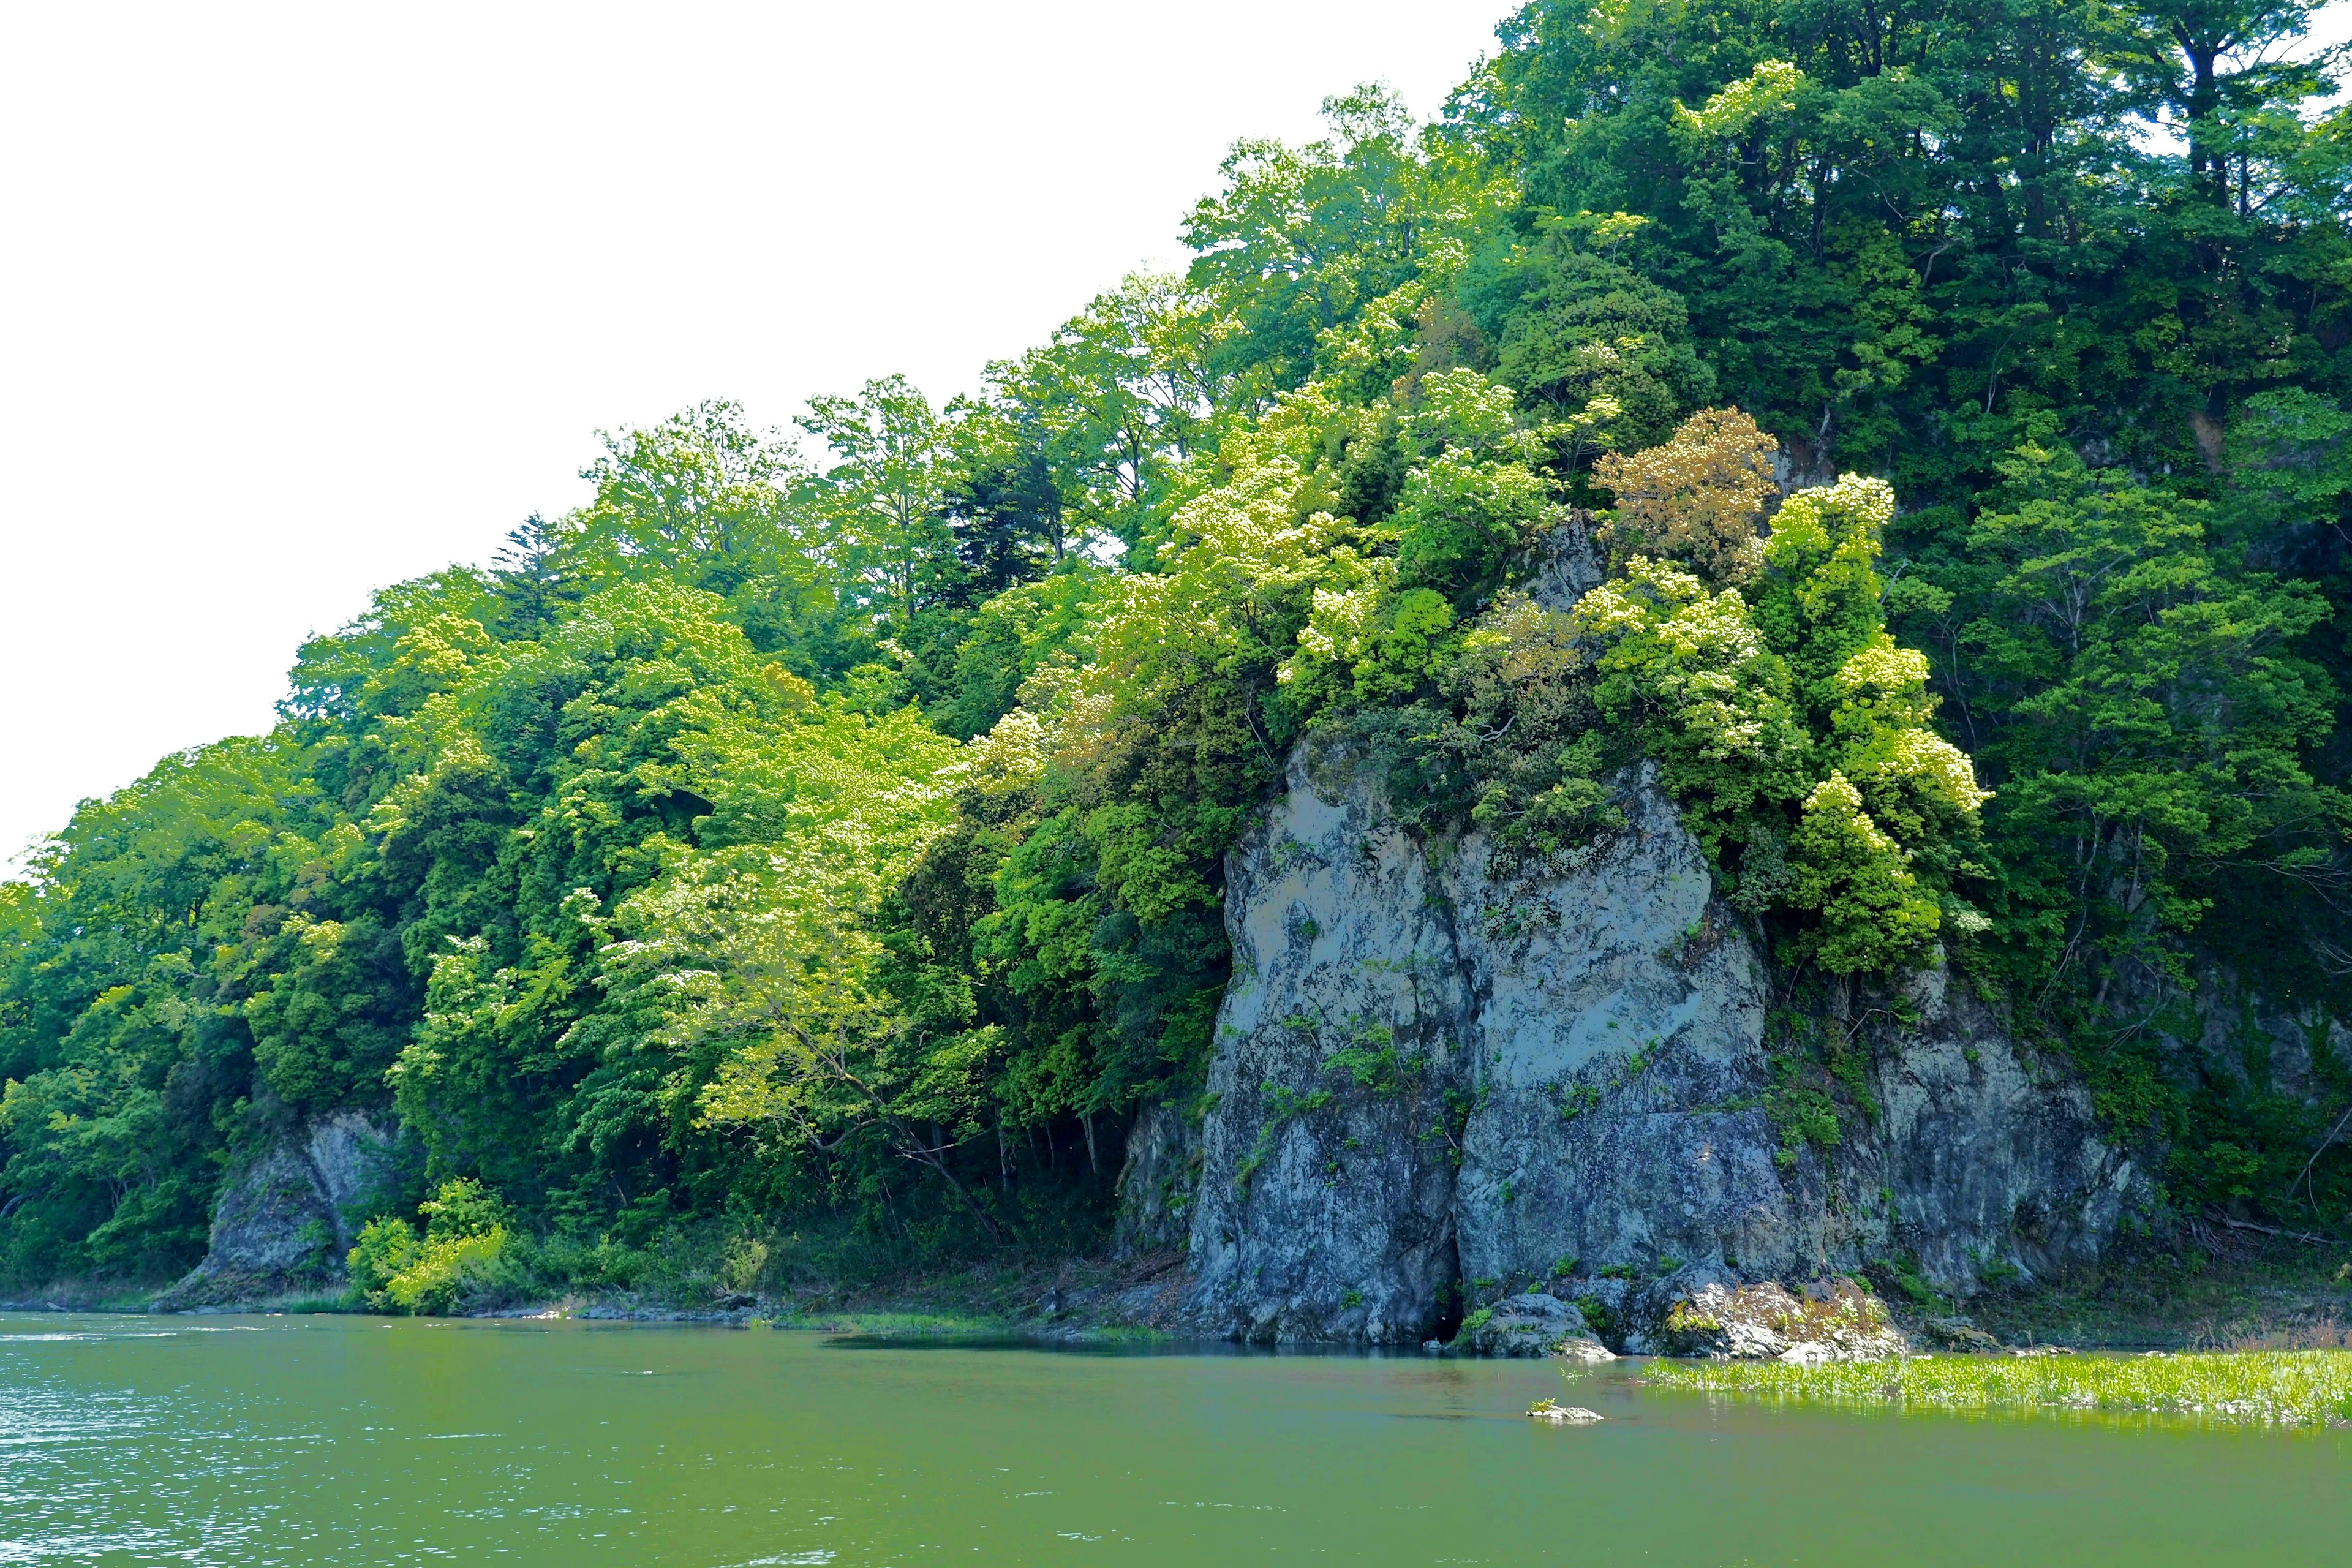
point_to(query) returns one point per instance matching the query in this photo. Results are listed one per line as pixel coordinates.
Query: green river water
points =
(360, 1441)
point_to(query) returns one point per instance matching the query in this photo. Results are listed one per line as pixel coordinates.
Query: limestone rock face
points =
(1442, 1081)
(282, 1223)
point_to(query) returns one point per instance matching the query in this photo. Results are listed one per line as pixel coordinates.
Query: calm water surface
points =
(354, 1442)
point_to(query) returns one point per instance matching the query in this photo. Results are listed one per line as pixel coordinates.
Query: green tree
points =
(885, 493)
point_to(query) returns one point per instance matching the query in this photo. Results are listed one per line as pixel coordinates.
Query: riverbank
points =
(2261, 1294)
(2249, 1292)
(2267, 1297)
(1090, 1299)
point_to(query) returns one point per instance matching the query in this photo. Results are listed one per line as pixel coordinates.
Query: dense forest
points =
(808, 853)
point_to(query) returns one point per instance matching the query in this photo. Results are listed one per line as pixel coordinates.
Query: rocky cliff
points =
(1441, 1081)
(283, 1222)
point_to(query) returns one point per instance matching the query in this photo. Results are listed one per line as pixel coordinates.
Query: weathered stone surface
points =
(283, 1222)
(1836, 1320)
(1440, 1079)
(1533, 1324)
(1325, 1203)
(1157, 1183)
(1989, 1159)
(1617, 1065)
(1568, 564)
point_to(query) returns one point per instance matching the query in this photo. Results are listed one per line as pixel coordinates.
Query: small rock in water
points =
(1581, 1348)
(1563, 1415)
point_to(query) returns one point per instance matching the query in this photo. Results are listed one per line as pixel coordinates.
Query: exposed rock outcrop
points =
(1839, 1321)
(1441, 1079)
(283, 1223)
(1532, 1325)
(1326, 1208)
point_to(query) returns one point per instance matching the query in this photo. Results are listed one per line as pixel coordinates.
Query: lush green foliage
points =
(393, 1270)
(823, 836)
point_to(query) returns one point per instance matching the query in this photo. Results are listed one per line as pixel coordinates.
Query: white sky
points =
(298, 301)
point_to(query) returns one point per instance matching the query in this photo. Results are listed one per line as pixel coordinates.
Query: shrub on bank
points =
(393, 1270)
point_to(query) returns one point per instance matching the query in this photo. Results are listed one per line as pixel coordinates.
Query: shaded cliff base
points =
(2242, 1293)
(2262, 1295)
(2222, 1291)
(2267, 1295)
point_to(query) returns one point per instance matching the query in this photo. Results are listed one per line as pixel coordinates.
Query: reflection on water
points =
(314, 1441)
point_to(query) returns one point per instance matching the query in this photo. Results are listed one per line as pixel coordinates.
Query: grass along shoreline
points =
(2256, 1388)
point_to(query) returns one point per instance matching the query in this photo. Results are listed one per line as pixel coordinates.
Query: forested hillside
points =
(810, 850)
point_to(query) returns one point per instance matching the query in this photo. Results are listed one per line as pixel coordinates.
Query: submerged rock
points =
(284, 1221)
(1436, 1068)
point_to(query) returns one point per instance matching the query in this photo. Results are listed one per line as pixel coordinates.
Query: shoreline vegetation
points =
(2259, 1388)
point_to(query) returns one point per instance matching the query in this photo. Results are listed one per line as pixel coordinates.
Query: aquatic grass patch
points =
(2259, 1388)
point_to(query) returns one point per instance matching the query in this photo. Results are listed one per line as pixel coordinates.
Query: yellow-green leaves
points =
(1771, 89)
(1694, 664)
(464, 1237)
(1918, 784)
(1821, 602)
(1795, 732)
(1874, 914)
(1464, 410)
(785, 978)
(1472, 500)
